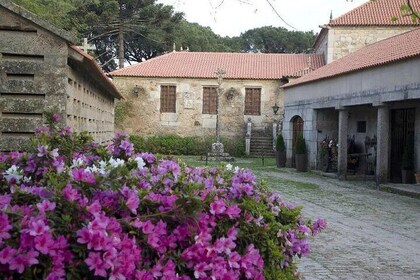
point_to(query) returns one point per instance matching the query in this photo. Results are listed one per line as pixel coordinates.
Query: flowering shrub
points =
(71, 209)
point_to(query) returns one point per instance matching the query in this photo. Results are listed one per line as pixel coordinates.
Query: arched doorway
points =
(297, 129)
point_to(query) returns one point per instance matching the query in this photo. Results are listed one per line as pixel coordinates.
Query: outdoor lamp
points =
(136, 91)
(275, 108)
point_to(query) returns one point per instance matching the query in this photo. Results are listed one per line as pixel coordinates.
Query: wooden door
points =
(297, 130)
(402, 131)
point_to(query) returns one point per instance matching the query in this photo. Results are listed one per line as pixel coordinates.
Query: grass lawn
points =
(251, 163)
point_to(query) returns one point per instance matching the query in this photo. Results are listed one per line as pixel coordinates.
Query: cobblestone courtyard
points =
(371, 234)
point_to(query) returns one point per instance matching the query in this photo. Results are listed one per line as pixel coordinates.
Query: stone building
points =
(369, 99)
(41, 70)
(176, 93)
(364, 25)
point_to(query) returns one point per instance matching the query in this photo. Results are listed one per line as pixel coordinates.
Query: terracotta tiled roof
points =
(387, 51)
(376, 13)
(237, 65)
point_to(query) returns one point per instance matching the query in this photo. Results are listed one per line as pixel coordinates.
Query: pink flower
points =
(70, 193)
(318, 225)
(44, 243)
(84, 236)
(137, 223)
(37, 227)
(56, 117)
(45, 206)
(132, 197)
(7, 254)
(127, 146)
(95, 262)
(224, 245)
(148, 227)
(42, 151)
(59, 163)
(95, 207)
(5, 201)
(217, 207)
(20, 261)
(233, 211)
(81, 175)
(234, 260)
(200, 270)
(54, 153)
(5, 227)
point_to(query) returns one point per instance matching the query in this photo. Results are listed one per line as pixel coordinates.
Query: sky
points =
(232, 17)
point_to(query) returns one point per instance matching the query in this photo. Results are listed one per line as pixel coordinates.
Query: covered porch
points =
(367, 140)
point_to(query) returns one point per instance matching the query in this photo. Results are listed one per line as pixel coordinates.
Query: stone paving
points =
(370, 235)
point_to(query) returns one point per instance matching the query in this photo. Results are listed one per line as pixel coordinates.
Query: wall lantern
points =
(136, 91)
(275, 109)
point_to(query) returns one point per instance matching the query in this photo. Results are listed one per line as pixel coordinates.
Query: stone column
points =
(382, 151)
(275, 130)
(248, 137)
(342, 143)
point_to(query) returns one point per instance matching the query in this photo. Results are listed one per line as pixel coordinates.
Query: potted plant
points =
(300, 154)
(407, 163)
(280, 151)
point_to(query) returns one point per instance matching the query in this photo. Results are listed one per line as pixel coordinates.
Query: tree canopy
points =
(137, 30)
(198, 38)
(270, 39)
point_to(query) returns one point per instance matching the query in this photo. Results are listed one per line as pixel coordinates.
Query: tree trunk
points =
(121, 46)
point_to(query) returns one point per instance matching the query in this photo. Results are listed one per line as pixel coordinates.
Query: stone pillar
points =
(342, 143)
(382, 152)
(248, 137)
(275, 129)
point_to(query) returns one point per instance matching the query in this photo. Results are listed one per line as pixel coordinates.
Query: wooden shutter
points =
(210, 100)
(253, 101)
(168, 99)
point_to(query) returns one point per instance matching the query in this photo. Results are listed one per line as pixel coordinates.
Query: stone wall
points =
(40, 72)
(32, 78)
(87, 108)
(322, 44)
(342, 40)
(146, 118)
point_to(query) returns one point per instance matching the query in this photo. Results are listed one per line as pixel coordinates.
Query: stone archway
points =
(297, 123)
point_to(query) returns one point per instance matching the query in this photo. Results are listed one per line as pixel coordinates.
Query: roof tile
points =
(237, 65)
(387, 51)
(376, 13)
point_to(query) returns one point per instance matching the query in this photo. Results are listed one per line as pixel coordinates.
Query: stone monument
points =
(217, 149)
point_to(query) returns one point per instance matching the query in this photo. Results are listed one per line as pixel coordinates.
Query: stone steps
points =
(261, 145)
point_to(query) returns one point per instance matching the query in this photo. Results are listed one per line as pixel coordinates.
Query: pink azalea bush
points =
(71, 209)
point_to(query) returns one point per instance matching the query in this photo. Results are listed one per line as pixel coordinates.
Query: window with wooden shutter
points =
(168, 99)
(210, 100)
(252, 101)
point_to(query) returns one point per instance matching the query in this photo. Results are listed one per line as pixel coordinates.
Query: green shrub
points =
(280, 147)
(300, 145)
(122, 111)
(172, 144)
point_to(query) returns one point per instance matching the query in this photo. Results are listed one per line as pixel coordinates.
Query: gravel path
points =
(370, 235)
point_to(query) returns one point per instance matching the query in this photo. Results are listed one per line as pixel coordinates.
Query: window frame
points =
(165, 98)
(212, 108)
(249, 107)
